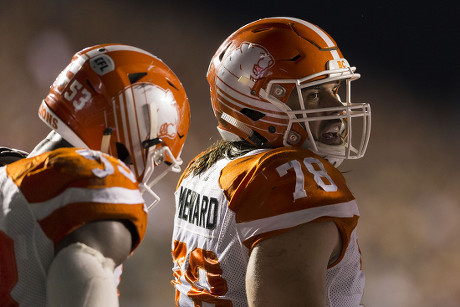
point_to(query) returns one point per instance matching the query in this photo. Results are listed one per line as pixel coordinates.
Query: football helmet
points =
(261, 66)
(125, 102)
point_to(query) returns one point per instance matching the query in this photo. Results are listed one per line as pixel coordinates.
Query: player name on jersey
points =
(200, 210)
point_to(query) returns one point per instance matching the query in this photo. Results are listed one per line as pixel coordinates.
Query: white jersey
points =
(222, 213)
(46, 197)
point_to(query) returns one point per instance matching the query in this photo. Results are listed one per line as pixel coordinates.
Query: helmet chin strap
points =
(334, 154)
(336, 162)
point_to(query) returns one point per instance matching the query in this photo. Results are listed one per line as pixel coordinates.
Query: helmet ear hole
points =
(123, 153)
(252, 114)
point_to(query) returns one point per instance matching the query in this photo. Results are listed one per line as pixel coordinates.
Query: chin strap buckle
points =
(152, 142)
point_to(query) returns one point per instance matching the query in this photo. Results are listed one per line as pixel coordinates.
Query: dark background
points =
(407, 185)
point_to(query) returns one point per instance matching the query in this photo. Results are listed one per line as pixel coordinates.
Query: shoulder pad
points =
(10, 155)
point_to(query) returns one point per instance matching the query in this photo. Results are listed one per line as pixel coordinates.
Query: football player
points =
(73, 210)
(264, 217)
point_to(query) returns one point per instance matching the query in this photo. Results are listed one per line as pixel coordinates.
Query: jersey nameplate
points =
(200, 210)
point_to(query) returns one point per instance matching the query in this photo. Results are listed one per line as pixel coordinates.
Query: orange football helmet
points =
(123, 101)
(260, 66)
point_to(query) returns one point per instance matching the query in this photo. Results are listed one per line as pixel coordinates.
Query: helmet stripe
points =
(223, 98)
(137, 150)
(115, 116)
(229, 91)
(123, 119)
(324, 36)
(317, 30)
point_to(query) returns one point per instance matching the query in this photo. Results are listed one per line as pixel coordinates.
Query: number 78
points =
(318, 176)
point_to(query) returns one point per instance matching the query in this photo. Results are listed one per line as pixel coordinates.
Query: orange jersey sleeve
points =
(69, 187)
(275, 190)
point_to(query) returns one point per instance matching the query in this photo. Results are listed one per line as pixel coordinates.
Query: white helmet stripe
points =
(121, 100)
(115, 117)
(134, 131)
(235, 103)
(318, 31)
(230, 92)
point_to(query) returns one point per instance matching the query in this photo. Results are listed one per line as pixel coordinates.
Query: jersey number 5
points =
(319, 174)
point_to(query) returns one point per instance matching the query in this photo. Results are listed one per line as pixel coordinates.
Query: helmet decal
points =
(252, 58)
(167, 130)
(168, 115)
(102, 64)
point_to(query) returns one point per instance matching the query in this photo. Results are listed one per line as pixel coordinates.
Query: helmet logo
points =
(102, 64)
(168, 130)
(341, 64)
(337, 64)
(253, 60)
(164, 103)
(167, 114)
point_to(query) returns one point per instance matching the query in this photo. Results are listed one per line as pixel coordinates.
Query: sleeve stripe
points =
(114, 195)
(292, 219)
